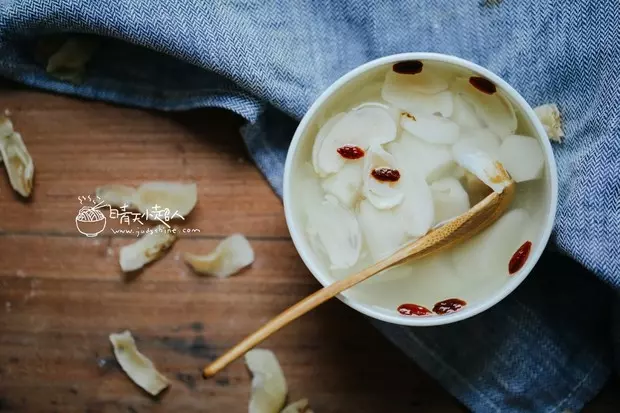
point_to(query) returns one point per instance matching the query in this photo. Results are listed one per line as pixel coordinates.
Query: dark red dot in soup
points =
(409, 67)
(451, 305)
(385, 174)
(413, 310)
(483, 85)
(351, 152)
(518, 258)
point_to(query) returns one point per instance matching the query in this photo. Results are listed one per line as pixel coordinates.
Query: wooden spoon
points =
(452, 232)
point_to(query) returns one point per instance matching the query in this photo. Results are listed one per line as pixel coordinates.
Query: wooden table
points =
(61, 293)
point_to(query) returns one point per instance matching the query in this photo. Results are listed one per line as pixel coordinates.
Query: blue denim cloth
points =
(550, 345)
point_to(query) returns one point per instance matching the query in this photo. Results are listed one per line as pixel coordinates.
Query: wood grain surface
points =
(61, 293)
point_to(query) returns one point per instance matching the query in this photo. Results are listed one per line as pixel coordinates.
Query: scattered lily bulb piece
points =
(17, 162)
(345, 184)
(300, 406)
(363, 127)
(382, 179)
(432, 129)
(488, 103)
(449, 199)
(269, 387)
(480, 139)
(549, 115)
(383, 230)
(334, 230)
(416, 212)
(177, 197)
(6, 126)
(69, 62)
(464, 114)
(481, 164)
(522, 157)
(406, 82)
(117, 195)
(139, 368)
(229, 257)
(417, 156)
(150, 247)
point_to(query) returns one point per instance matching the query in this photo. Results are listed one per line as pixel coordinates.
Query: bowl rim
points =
(297, 233)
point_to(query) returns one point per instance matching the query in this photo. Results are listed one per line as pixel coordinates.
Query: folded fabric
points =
(549, 346)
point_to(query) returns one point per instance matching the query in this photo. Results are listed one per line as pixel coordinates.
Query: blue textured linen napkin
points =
(550, 346)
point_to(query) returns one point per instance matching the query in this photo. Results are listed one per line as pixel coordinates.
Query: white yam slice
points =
(363, 127)
(139, 368)
(383, 230)
(416, 211)
(400, 85)
(432, 129)
(420, 104)
(420, 157)
(334, 231)
(300, 406)
(487, 169)
(150, 247)
(229, 257)
(269, 387)
(17, 162)
(549, 116)
(480, 139)
(487, 255)
(449, 199)
(179, 198)
(494, 109)
(346, 184)
(320, 138)
(464, 114)
(383, 194)
(117, 195)
(522, 157)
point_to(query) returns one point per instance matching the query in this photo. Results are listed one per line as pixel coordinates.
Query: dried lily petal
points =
(382, 194)
(176, 197)
(420, 104)
(6, 126)
(464, 114)
(486, 168)
(228, 258)
(148, 248)
(414, 155)
(300, 406)
(139, 368)
(117, 195)
(549, 115)
(345, 184)
(69, 62)
(425, 81)
(268, 383)
(494, 109)
(320, 138)
(522, 157)
(18, 163)
(383, 230)
(449, 198)
(432, 129)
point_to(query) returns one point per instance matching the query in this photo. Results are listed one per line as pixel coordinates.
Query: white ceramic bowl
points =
(300, 149)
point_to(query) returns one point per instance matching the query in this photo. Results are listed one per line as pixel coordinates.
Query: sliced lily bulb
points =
(179, 198)
(481, 139)
(136, 365)
(432, 129)
(406, 82)
(394, 112)
(417, 211)
(363, 127)
(420, 104)
(150, 247)
(229, 257)
(383, 230)
(449, 199)
(382, 179)
(549, 116)
(17, 162)
(117, 195)
(494, 109)
(333, 230)
(346, 184)
(269, 387)
(320, 139)
(414, 155)
(522, 157)
(300, 406)
(487, 169)
(464, 114)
